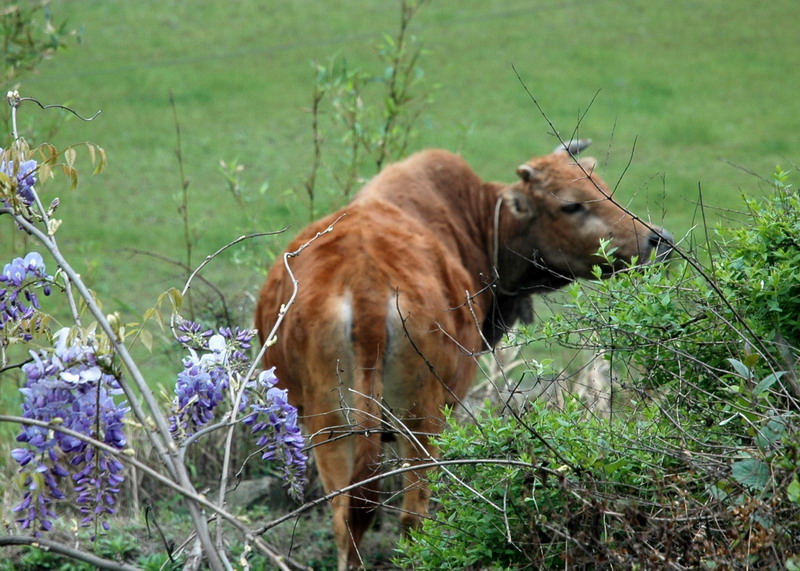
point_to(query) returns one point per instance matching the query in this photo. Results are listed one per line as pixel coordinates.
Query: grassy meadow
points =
(679, 90)
(678, 96)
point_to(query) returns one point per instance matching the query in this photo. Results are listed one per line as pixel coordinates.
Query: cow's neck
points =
(516, 271)
(475, 224)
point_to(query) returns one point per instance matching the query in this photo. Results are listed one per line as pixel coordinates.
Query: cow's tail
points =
(369, 340)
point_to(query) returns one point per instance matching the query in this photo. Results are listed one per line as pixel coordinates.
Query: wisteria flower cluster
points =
(204, 383)
(216, 367)
(72, 387)
(18, 301)
(274, 422)
(21, 179)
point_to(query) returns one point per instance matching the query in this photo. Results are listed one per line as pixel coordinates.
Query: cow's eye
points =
(572, 208)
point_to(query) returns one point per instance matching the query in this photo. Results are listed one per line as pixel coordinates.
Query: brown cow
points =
(427, 267)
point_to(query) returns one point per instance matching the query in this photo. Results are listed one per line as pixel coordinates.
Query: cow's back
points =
(440, 190)
(378, 292)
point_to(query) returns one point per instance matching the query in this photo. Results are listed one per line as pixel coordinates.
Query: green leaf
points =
(176, 298)
(767, 382)
(101, 164)
(72, 174)
(69, 155)
(793, 490)
(751, 360)
(147, 339)
(717, 493)
(772, 432)
(751, 473)
(742, 369)
(149, 313)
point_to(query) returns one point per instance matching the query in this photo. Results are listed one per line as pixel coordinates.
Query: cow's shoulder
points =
(429, 175)
(442, 192)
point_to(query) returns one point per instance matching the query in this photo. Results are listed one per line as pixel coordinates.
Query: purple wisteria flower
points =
(18, 302)
(274, 421)
(218, 362)
(193, 335)
(71, 386)
(22, 175)
(202, 385)
(214, 359)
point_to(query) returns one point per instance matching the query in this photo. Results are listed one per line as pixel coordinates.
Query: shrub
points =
(554, 488)
(698, 467)
(761, 268)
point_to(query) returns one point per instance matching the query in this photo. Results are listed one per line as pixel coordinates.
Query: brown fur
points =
(428, 266)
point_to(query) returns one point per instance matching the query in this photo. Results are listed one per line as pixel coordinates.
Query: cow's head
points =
(560, 211)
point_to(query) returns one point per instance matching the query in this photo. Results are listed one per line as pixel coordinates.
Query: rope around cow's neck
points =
(496, 252)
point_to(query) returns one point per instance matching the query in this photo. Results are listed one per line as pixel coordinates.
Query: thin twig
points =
(210, 257)
(184, 205)
(60, 548)
(403, 469)
(55, 106)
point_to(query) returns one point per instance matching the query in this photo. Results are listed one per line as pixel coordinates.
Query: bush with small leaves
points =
(698, 465)
(555, 489)
(761, 265)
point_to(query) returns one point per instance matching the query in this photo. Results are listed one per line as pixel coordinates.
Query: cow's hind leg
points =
(416, 449)
(333, 452)
(364, 499)
(344, 459)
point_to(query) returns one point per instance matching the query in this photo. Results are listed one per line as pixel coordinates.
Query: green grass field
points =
(680, 90)
(678, 96)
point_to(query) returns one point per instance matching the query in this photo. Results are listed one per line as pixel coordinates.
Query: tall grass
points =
(672, 93)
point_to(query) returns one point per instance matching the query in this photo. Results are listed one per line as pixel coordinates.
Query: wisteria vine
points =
(18, 178)
(76, 388)
(275, 425)
(75, 385)
(214, 371)
(19, 303)
(18, 300)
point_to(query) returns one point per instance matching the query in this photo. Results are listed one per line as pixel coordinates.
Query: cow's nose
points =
(662, 241)
(661, 237)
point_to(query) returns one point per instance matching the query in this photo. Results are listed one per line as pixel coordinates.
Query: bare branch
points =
(403, 469)
(60, 548)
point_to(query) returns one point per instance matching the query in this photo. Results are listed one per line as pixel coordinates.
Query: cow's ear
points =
(518, 203)
(588, 164)
(526, 172)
